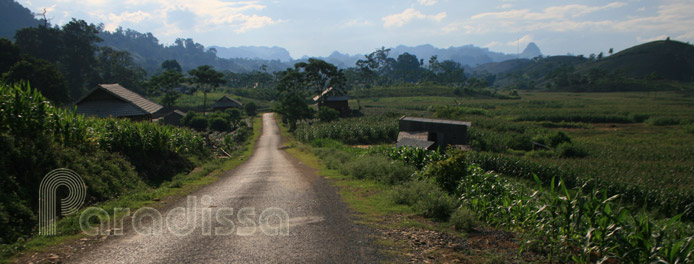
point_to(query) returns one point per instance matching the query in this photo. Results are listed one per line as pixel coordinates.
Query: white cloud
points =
(649, 39)
(113, 21)
(493, 44)
(554, 18)
(356, 23)
(409, 14)
(506, 6)
(553, 12)
(427, 2)
(522, 41)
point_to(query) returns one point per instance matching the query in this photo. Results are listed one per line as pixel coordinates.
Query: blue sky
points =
(318, 27)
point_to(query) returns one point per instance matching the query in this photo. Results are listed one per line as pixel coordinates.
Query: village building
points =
(428, 133)
(225, 103)
(328, 99)
(114, 100)
(173, 118)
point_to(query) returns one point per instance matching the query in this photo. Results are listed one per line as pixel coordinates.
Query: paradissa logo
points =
(48, 189)
(180, 221)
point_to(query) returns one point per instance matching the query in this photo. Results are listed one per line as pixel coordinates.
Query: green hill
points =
(668, 59)
(14, 16)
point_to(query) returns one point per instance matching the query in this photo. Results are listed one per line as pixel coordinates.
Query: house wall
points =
(442, 134)
(341, 106)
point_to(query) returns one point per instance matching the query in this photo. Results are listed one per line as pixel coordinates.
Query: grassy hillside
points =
(668, 59)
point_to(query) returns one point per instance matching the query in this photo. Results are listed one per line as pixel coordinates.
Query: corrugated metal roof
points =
(315, 98)
(337, 98)
(226, 101)
(413, 142)
(123, 103)
(439, 121)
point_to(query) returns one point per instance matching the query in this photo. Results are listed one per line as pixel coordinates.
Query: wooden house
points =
(114, 100)
(431, 133)
(226, 102)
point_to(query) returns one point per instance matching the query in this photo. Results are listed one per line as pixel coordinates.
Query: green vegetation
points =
(116, 157)
(361, 130)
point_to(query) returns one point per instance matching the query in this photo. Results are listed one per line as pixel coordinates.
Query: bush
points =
(553, 139)
(220, 124)
(663, 121)
(199, 123)
(689, 129)
(378, 168)
(568, 150)
(425, 197)
(234, 115)
(448, 173)
(250, 109)
(327, 114)
(463, 219)
(638, 118)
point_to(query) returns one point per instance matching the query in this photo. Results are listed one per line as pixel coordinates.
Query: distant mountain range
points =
(465, 55)
(253, 52)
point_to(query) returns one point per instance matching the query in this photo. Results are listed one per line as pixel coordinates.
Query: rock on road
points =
(319, 226)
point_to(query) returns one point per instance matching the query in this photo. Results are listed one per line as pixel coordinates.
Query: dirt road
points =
(316, 227)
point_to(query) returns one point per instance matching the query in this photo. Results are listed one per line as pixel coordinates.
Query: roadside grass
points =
(206, 172)
(373, 206)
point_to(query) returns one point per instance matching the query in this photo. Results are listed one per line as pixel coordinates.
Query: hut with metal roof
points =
(429, 133)
(328, 99)
(114, 100)
(225, 103)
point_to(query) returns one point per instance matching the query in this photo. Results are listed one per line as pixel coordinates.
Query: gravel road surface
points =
(254, 198)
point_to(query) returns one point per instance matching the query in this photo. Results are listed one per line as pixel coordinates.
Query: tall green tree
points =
(9, 54)
(164, 84)
(206, 79)
(407, 66)
(171, 65)
(41, 75)
(40, 42)
(319, 75)
(79, 55)
(292, 93)
(118, 67)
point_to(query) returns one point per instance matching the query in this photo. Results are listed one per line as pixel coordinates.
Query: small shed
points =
(225, 103)
(114, 100)
(432, 133)
(339, 103)
(173, 118)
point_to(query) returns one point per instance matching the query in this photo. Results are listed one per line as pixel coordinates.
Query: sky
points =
(319, 27)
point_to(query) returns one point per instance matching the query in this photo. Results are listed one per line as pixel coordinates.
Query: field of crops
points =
(114, 156)
(362, 130)
(634, 145)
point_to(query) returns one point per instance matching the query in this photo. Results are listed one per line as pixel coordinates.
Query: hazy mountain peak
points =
(254, 52)
(531, 51)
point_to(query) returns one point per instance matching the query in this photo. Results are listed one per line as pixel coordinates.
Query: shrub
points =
(448, 173)
(378, 168)
(250, 108)
(463, 219)
(689, 129)
(663, 121)
(199, 123)
(552, 139)
(234, 115)
(220, 124)
(638, 118)
(568, 150)
(425, 197)
(327, 114)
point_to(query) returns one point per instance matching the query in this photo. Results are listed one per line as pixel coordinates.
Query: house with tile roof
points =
(114, 100)
(226, 102)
